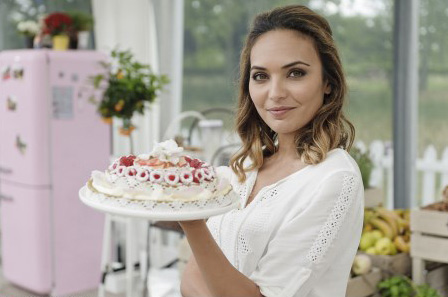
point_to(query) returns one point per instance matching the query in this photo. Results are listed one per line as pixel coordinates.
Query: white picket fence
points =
(432, 172)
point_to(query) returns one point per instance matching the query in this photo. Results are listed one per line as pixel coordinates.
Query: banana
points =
(401, 244)
(367, 227)
(390, 217)
(368, 215)
(383, 227)
(399, 211)
(407, 215)
(407, 236)
(403, 226)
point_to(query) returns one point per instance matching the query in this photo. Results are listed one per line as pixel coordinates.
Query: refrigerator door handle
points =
(6, 198)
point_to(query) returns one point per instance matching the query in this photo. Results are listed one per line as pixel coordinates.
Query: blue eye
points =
(259, 76)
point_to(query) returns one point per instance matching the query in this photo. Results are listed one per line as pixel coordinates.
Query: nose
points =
(277, 89)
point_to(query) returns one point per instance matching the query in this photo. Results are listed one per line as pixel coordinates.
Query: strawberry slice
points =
(195, 179)
(153, 162)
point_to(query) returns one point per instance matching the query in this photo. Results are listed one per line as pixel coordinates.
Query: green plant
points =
(365, 164)
(402, 286)
(81, 21)
(126, 86)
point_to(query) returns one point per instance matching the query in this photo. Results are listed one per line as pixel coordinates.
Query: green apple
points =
(367, 240)
(371, 251)
(377, 234)
(393, 249)
(383, 246)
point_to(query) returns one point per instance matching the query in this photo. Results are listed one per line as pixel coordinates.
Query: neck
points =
(286, 147)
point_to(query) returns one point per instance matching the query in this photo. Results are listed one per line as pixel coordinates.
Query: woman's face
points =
(286, 83)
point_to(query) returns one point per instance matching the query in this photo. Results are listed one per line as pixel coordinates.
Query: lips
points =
(280, 110)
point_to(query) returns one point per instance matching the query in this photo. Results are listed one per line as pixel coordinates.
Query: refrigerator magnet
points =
(6, 72)
(17, 72)
(11, 103)
(20, 145)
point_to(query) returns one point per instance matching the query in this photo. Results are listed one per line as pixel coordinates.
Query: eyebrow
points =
(283, 67)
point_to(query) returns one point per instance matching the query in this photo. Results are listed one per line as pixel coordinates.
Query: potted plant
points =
(373, 196)
(59, 25)
(82, 25)
(29, 29)
(365, 164)
(127, 86)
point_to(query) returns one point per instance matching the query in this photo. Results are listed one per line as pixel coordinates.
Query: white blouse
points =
(299, 236)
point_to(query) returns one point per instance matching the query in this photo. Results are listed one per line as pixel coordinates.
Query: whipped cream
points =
(166, 151)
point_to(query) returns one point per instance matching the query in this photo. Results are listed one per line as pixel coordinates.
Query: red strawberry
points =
(127, 160)
(187, 159)
(196, 163)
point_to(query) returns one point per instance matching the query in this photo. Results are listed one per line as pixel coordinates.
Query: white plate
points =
(159, 211)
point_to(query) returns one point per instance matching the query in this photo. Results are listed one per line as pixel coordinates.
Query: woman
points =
(299, 226)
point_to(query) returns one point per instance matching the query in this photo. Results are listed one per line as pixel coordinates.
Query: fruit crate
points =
(364, 285)
(390, 265)
(429, 240)
(437, 278)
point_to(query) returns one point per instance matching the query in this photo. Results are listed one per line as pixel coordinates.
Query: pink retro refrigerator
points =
(50, 140)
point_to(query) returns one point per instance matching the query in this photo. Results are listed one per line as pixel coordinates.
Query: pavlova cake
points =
(166, 174)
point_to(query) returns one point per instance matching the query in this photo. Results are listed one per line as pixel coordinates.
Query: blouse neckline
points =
(254, 176)
(253, 179)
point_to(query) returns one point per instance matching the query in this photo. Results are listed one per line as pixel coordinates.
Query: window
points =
(12, 11)
(215, 31)
(433, 75)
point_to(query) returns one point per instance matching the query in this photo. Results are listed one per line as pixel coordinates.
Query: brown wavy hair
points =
(329, 127)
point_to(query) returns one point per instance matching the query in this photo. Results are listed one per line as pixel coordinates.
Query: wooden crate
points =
(438, 279)
(429, 222)
(373, 197)
(399, 264)
(364, 285)
(429, 240)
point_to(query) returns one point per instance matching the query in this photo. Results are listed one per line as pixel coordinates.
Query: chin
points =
(283, 130)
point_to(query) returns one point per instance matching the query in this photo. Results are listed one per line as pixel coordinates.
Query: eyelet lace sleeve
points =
(334, 221)
(317, 243)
